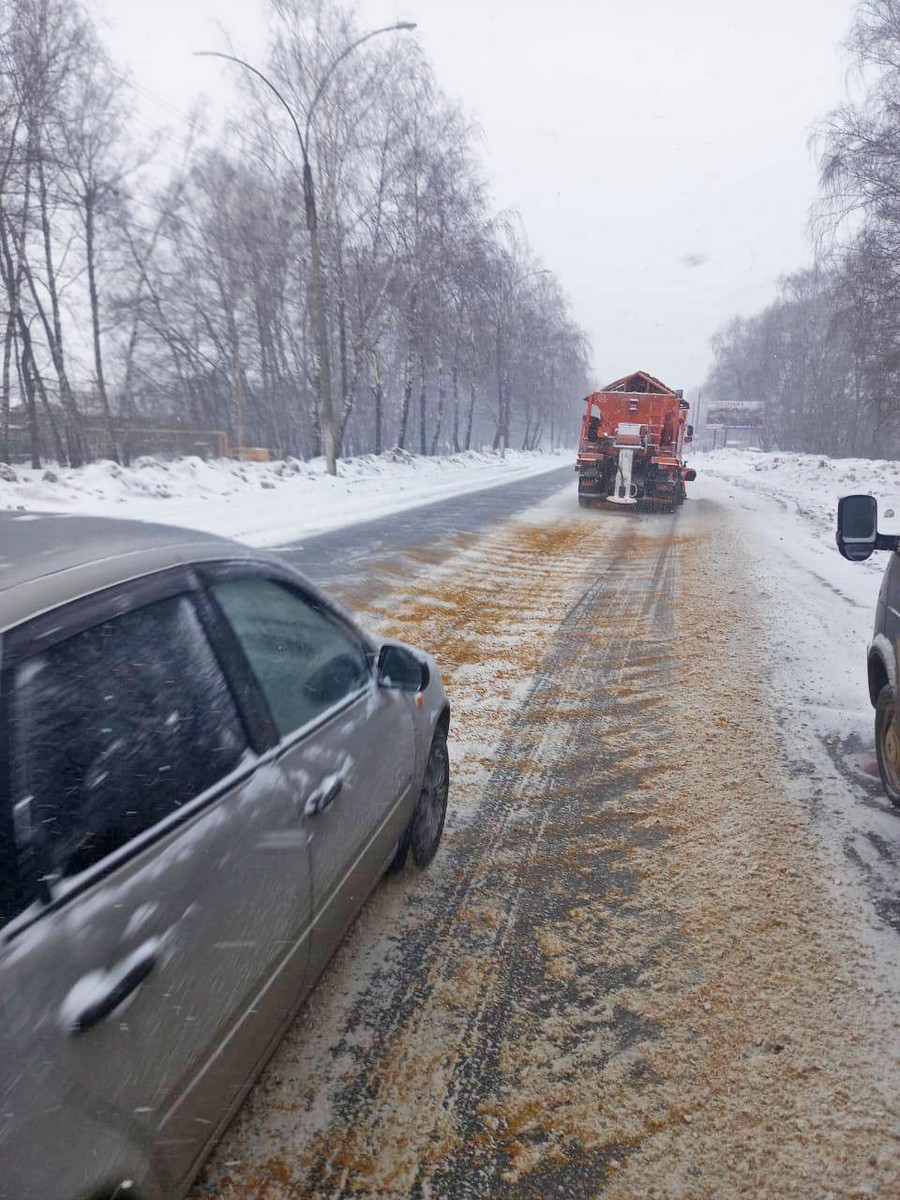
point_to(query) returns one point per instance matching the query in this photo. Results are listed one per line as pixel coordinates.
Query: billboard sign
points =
(735, 414)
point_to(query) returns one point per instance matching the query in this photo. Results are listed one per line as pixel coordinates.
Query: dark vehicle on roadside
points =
(857, 538)
(205, 769)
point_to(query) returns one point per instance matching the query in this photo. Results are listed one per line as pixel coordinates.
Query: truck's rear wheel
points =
(584, 501)
(887, 742)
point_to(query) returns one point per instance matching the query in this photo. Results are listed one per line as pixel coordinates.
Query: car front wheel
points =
(428, 819)
(422, 836)
(887, 742)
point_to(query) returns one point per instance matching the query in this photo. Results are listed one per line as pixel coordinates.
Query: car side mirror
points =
(857, 527)
(400, 668)
(690, 432)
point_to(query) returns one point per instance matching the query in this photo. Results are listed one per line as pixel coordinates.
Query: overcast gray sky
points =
(655, 149)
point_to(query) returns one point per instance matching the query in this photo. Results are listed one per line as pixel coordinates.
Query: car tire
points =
(427, 823)
(422, 835)
(398, 862)
(887, 742)
(584, 501)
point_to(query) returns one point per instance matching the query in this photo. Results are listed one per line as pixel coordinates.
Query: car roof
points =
(48, 559)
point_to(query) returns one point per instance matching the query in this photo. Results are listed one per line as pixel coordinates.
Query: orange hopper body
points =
(631, 450)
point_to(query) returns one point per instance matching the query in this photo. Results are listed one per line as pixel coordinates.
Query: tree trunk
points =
(128, 386)
(378, 398)
(27, 385)
(238, 404)
(74, 433)
(7, 362)
(346, 403)
(351, 384)
(454, 387)
(441, 398)
(95, 320)
(498, 435)
(12, 276)
(38, 383)
(470, 416)
(423, 396)
(407, 398)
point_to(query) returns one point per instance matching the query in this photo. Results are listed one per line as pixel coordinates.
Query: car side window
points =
(304, 659)
(117, 727)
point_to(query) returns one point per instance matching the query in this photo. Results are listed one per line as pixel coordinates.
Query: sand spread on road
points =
(709, 1026)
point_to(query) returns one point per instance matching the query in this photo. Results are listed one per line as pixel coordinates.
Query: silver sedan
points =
(205, 768)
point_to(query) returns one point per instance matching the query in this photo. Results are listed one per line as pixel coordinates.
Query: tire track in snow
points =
(512, 815)
(578, 774)
(341, 1159)
(335, 1128)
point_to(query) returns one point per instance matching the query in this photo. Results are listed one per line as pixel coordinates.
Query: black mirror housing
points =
(400, 668)
(857, 528)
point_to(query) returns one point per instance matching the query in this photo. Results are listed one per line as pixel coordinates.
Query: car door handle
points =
(323, 796)
(121, 983)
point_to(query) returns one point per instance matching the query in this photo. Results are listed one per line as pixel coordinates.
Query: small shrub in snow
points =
(50, 477)
(7, 474)
(289, 466)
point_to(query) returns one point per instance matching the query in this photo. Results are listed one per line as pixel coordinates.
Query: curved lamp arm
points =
(340, 58)
(269, 84)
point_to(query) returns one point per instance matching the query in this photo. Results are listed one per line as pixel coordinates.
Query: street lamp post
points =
(317, 280)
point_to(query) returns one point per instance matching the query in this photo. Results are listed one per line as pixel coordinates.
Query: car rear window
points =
(117, 727)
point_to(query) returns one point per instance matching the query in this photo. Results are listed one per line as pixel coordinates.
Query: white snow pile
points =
(806, 488)
(813, 610)
(265, 504)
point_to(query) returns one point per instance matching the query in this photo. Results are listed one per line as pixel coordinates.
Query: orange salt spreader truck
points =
(630, 455)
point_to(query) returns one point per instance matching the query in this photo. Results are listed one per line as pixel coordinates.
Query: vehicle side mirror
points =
(857, 527)
(400, 668)
(690, 432)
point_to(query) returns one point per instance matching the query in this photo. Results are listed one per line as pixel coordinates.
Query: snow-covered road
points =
(813, 613)
(659, 951)
(647, 959)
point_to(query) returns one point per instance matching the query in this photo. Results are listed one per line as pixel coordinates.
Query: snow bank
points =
(799, 494)
(812, 608)
(265, 504)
